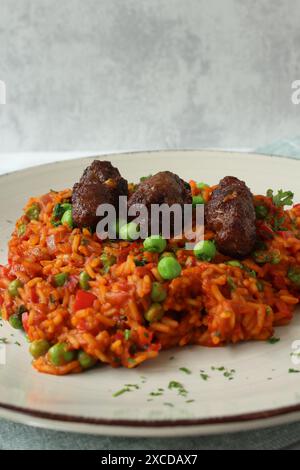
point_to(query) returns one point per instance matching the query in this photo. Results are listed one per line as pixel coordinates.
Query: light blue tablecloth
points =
(16, 436)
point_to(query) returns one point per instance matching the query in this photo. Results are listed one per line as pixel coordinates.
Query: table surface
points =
(16, 436)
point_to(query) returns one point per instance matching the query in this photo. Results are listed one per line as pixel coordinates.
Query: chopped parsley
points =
(273, 340)
(231, 283)
(294, 371)
(120, 392)
(204, 376)
(127, 388)
(185, 370)
(169, 404)
(282, 198)
(294, 275)
(156, 394)
(173, 385)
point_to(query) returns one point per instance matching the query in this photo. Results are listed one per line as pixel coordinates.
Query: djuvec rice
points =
(210, 303)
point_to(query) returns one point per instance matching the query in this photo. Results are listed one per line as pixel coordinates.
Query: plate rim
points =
(257, 418)
(98, 155)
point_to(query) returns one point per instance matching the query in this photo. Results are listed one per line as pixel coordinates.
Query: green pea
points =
(205, 250)
(85, 360)
(16, 321)
(129, 232)
(155, 244)
(13, 287)
(39, 348)
(169, 268)
(67, 218)
(60, 279)
(21, 230)
(261, 212)
(198, 200)
(33, 212)
(235, 264)
(154, 313)
(59, 354)
(202, 185)
(84, 280)
(158, 292)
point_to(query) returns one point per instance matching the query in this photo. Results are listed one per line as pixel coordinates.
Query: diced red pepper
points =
(83, 300)
(33, 295)
(25, 317)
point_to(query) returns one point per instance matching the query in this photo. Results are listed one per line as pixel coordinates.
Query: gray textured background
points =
(137, 74)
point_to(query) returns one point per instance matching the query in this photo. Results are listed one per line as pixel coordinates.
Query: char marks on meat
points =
(230, 213)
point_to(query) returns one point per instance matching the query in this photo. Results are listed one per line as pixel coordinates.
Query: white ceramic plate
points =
(262, 391)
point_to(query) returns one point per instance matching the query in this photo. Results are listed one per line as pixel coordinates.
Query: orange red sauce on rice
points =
(209, 304)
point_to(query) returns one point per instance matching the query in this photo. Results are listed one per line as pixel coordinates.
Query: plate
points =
(228, 389)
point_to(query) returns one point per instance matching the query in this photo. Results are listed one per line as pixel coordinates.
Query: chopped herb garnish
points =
(135, 386)
(169, 404)
(17, 343)
(144, 178)
(21, 230)
(261, 212)
(282, 198)
(294, 371)
(4, 341)
(173, 385)
(127, 334)
(268, 310)
(140, 262)
(294, 275)
(273, 340)
(190, 401)
(203, 376)
(120, 392)
(277, 224)
(171, 358)
(260, 286)
(231, 283)
(185, 370)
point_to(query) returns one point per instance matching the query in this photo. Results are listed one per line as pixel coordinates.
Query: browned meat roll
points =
(163, 188)
(231, 215)
(101, 183)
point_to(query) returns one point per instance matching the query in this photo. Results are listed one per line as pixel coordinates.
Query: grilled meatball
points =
(230, 214)
(163, 188)
(101, 183)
